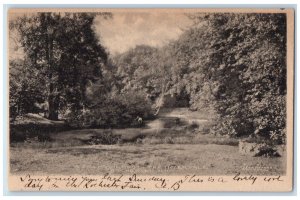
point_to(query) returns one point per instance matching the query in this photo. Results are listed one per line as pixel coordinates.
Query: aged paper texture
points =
(150, 99)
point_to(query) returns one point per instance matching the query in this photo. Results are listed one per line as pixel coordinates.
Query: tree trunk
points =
(161, 100)
(53, 104)
(52, 97)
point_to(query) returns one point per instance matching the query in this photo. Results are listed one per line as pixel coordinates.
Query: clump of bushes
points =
(258, 147)
(267, 151)
(118, 111)
(106, 137)
(27, 131)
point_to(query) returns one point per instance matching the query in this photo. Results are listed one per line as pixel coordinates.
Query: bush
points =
(106, 137)
(22, 132)
(117, 111)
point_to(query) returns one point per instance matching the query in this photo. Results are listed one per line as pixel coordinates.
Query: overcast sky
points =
(128, 29)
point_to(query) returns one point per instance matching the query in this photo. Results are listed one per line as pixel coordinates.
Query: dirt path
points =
(155, 124)
(177, 115)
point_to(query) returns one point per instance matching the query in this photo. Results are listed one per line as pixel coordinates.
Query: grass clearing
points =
(181, 148)
(145, 159)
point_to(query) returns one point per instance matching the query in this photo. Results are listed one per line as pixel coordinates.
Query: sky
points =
(125, 30)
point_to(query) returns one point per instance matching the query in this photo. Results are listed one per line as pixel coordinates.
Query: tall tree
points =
(65, 49)
(245, 66)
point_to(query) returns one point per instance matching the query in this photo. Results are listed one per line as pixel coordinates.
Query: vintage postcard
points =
(150, 99)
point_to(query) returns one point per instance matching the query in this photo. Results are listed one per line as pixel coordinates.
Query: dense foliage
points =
(26, 87)
(246, 69)
(232, 66)
(64, 50)
(118, 111)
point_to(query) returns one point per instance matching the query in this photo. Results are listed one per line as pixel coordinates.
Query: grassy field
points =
(183, 148)
(204, 159)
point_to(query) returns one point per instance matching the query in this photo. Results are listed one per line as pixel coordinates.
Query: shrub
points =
(22, 132)
(117, 111)
(106, 137)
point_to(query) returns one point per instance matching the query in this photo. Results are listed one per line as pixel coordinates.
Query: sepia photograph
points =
(150, 99)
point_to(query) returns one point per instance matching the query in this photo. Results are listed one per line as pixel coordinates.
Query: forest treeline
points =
(231, 65)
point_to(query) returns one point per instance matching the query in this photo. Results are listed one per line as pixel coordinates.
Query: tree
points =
(233, 65)
(25, 87)
(246, 66)
(65, 49)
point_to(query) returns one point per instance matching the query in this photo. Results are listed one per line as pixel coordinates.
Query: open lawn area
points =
(204, 159)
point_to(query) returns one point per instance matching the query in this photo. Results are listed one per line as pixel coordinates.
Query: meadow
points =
(158, 148)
